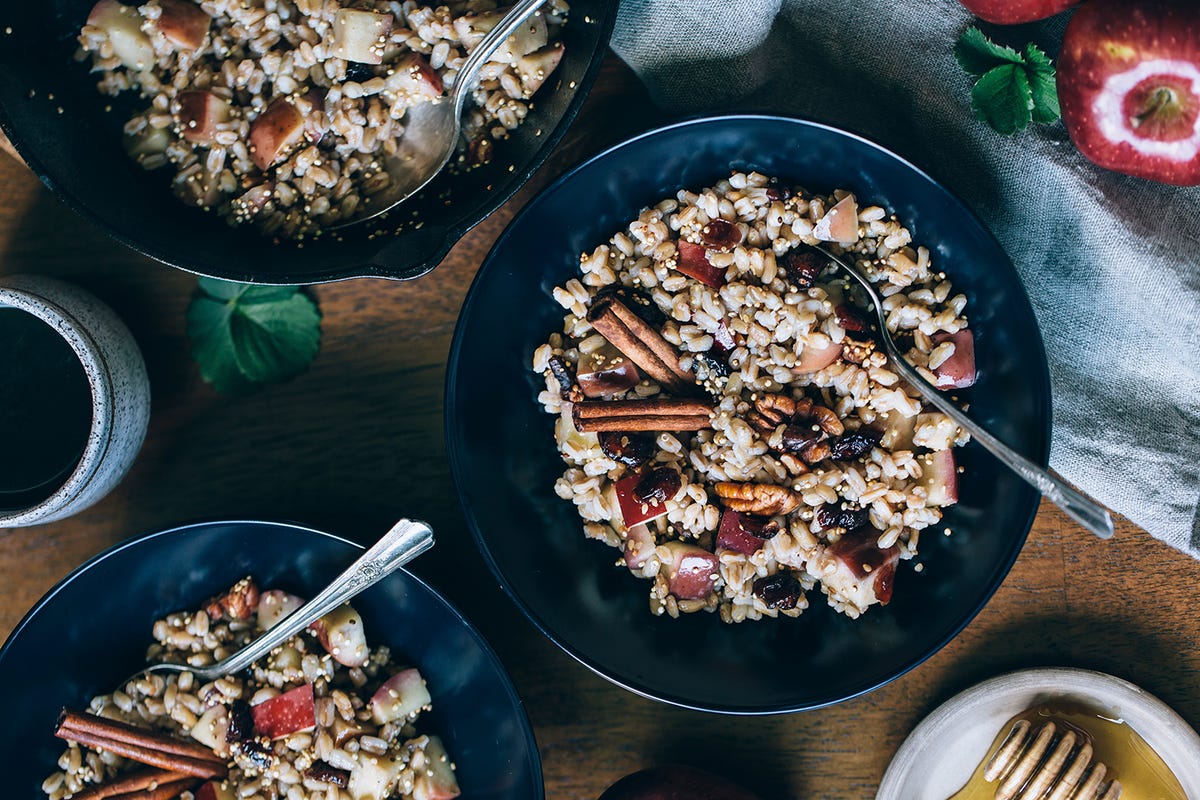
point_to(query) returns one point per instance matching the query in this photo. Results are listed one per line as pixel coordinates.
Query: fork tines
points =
(1042, 763)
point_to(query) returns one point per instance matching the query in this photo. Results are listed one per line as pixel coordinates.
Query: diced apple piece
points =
(274, 606)
(606, 372)
(471, 28)
(285, 714)
(148, 141)
(360, 35)
(743, 533)
(531, 36)
(533, 69)
(691, 570)
(855, 571)
(568, 434)
(693, 262)
(200, 113)
(341, 633)
(840, 223)
(123, 26)
(274, 132)
(939, 476)
(414, 75)
(814, 360)
(212, 790)
(643, 495)
(183, 23)
(436, 780)
(957, 371)
(639, 544)
(399, 697)
(373, 776)
(210, 730)
(898, 431)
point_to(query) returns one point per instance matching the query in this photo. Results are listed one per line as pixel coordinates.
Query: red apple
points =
(813, 360)
(691, 570)
(533, 69)
(675, 783)
(643, 496)
(400, 696)
(274, 132)
(342, 635)
(199, 114)
(1013, 12)
(183, 23)
(414, 75)
(436, 779)
(274, 606)
(957, 371)
(864, 574)
(840, 223)
(693, 262)
(605, 372)
(743, 533)
(939, 476)
(286, 713)
(1129, 87)
(212, 790)
(639, 544)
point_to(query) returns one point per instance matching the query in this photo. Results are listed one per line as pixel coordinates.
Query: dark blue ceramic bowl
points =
(91, 631)
(505, 463)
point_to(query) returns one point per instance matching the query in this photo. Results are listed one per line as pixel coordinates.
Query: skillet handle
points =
(413, 254)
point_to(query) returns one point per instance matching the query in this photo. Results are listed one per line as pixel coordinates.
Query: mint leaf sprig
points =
(1013, 88)
(245, 337)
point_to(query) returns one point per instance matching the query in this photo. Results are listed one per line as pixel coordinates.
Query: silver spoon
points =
(431, 129)
(1078, 506)
(405, 541)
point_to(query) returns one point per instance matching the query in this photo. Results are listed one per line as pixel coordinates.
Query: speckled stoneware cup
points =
(120, 391)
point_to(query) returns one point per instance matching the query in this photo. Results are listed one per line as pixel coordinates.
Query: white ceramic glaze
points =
(942, 752)
(120, 390)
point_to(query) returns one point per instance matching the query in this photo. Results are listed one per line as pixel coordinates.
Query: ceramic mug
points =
(120, 391)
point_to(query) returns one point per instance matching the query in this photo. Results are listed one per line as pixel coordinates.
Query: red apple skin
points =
(1110, 38)
(199, 114)
(816, 360)
(1014, 12)
(286, 713)
(957, 371)
(183, 23)
(733, 535)
(274, 133)
(693, 262)
(675, 783)
(211, 790)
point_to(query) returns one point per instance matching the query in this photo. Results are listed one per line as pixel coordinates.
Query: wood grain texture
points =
(357, 442)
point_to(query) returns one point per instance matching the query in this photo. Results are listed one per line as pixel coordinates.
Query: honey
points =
(1129, 759)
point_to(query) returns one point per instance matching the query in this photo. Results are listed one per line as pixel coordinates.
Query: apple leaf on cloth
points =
(244, 337)
(1013, 88)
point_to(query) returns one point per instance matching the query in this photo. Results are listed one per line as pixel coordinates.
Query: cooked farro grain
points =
(816, 465)
(275, 112)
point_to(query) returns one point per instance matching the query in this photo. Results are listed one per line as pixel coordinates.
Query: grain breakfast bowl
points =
(246, 64)
(414, 643)
(509, 471)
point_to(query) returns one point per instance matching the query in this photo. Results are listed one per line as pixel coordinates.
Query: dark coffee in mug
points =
(45, 410)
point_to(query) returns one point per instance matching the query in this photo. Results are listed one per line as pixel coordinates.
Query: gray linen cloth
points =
(1110, 262)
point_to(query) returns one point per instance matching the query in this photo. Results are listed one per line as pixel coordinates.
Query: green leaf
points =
(978, 54)
(1002, 98)
(246, 336)
(1039, 69)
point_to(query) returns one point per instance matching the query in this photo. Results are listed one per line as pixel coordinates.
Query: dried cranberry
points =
(716, 367)
(723, 341)
(851, 319)
(830, 516)
(854, 445)
(562, 373)
(780, 590)
(777, 191)
(657, 486)
(241, 723)
(630, 449)
(798, 437)
(327, 773)
(802, 266)
(721, 235)
(257, 753)
(762, 527)
(358, 72)
(636, 301)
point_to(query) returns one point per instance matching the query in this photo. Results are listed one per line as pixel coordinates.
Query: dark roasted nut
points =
(827, 420)
(831, 516)
(325, 772)
(761, 423)
(780, 408)
(802, 266)
(630, 449)
(856, 444)
(240, 602)
(815, 452)
(657, 486)
(241, 723)
(638, 302)
(721, 235)
(779, 591)
(855, 351)
(762, 499)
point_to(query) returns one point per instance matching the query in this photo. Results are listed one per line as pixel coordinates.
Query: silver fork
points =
(1078, 506)
(405, 541)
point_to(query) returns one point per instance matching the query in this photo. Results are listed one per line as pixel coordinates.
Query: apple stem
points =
(1161, 99)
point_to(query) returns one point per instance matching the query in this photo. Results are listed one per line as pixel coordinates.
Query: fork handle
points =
(405, 541)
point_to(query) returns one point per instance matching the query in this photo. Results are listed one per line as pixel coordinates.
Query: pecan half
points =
(855, 351)
(780, 408)
(827, 418)
(240, 602)
(762, 499)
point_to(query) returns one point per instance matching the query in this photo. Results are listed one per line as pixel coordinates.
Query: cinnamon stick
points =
(166, 791)
(640, 343)
(659, 414)
(141, 745)
(149, 779)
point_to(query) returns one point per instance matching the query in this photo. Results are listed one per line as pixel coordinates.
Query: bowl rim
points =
(337, 271)
(457, 461)
(535, 758)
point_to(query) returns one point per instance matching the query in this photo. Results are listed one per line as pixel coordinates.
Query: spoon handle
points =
(405, 541)
(1078, 506)
(468, 74)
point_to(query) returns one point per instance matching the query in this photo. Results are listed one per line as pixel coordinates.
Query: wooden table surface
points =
(356, 442)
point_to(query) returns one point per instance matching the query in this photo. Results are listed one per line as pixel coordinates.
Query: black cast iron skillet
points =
(52, 113)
